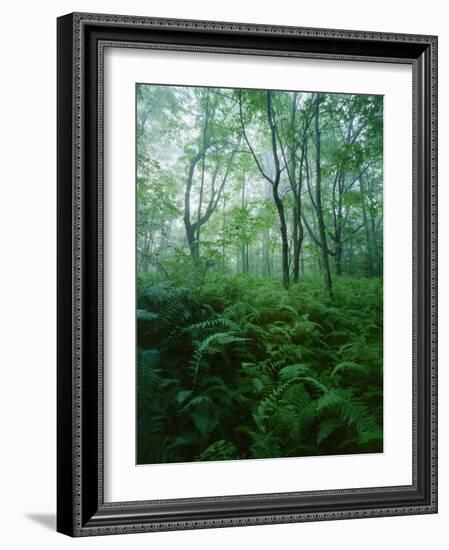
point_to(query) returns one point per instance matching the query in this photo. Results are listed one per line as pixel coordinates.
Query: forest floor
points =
(236, 366)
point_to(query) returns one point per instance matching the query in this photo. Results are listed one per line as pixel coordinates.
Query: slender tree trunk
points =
(338, 243)
(146, 248)
(223, 254)
(295, 185)
(377, 268)
(298, 237)
(189, 226)
(351, 254)
(266, 253)
(298, 229)
(243, 245)
(318, 202)
(266, 237)
(203, 162)
(192, 229)
(369, 248)
(338, 257)
(374, 245)
(338, 226)
(295, 244)
(277, 199)
(274, 183)
(284, 237)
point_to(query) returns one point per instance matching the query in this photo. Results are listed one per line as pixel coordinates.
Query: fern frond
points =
(347, 366)
(293, 371)
(326, 428)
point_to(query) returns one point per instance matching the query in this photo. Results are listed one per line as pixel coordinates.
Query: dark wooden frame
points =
(81, 509)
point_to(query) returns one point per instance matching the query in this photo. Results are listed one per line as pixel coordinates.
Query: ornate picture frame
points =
(81, 507)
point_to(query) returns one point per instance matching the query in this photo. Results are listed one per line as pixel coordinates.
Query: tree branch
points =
(256, 160)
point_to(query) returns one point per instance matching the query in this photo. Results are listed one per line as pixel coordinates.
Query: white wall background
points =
(27, 290)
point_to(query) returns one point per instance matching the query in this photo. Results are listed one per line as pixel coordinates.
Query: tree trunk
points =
(274, 183)
(298, 237)
(374, 246)
(277, 199)
(340, 182)
(284, 237)
(224, 234)
(377, 261)
(203, 162)
(190, 227)
(369, 248)
(318, 203)
(338, 257)
(266, 271)
(243, 251)
(298, 229)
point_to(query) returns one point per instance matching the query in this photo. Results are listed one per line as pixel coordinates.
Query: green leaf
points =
(204, 422)
(326, 428)
(219, 450)
(330, 400)
(196, 401)
(293, 371)
(150, 358)
(258, 384)
(346, 365)
(144, 315)
(183, 395)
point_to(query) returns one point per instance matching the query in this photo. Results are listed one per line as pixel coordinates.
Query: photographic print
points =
(259, 270)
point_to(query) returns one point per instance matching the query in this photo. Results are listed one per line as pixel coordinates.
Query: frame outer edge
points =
(65, 367)
(69, 508)
(434, 271)
(256, 28)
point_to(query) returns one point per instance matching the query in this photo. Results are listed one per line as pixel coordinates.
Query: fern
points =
(219, 450)
(326, 428)
(347, 366)
(241, 368)
(293, 371)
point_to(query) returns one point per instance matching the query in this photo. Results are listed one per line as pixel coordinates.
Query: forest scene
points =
(259, 273)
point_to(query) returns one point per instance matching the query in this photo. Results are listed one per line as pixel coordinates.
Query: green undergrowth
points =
(237, 367)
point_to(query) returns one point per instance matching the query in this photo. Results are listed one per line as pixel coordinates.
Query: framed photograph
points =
(247, 279)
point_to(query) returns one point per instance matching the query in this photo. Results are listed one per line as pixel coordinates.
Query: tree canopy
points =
(263, 182)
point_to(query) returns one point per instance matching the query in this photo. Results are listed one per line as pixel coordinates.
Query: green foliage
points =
(240, 368)
(240, 195)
